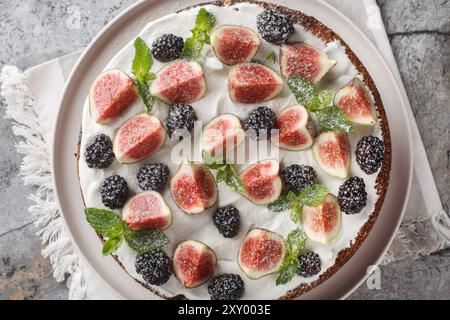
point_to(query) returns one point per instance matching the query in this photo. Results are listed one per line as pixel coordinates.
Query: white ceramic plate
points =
(122, 30)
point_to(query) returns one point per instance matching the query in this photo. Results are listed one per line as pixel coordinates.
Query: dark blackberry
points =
(370, 154)
(352, 195)
(309, 264)
(226, 287)
(168, 47)
(297, 177)
(99, 154)
(180, 121)
(227, 221)
(153, 177)
(154, 266)
(274, 27)
(259, 123)
(114, 192)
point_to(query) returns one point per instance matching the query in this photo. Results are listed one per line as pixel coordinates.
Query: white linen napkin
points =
(33, 96)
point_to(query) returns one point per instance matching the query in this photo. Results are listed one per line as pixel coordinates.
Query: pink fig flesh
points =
(147, 211)
(179, 82)
(111, 94)
(234, 44)
(222, 135)
(194, 263)
(139, 138)
(253, 83)
(295, 129)
(356, 102)
(332, 152)
(302, 60)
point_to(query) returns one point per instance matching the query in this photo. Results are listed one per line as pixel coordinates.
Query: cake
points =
(216, 80)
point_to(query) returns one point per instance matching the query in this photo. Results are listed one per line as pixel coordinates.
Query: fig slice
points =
(322, 223)
(262, 182)
(253, 83)
(179, 82)
(295, 129)
(110, 95)
(147, 211)
(356, 102)
(261, 253)
(302, 60)
(234, 44)
(332, 152)
(139, 138)
(193, 263)
(193, 188)
(222, 135)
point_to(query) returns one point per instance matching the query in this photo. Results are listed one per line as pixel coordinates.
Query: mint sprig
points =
(193, 45)
(225, 172)
(141, 66)
(295, 243)
(112, 227)
(308, 196)
(321, 103)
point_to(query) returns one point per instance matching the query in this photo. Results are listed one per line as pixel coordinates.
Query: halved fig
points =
(322, 223)
(295, 129)
(234, 44)
(193, 188)
(253, 83)
(262, 182)
(179, 82)
(354, 99)
(332, 152)
(193, 263)
(110, 95)
(222, 135)
(261, 253)
(147, 211)
(139, 138)
(302, 60)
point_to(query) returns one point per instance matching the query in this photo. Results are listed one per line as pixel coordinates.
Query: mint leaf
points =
(323, 100)
(281, 204)
(271, 56)
(142, 63)
(232, 179)
(145, 241)
(212, 162)
(105, 222)
(112, 245)
(295, 243)
(204, 23)
(313, 195)
(303, 90)
(144, 93)
(333, 118)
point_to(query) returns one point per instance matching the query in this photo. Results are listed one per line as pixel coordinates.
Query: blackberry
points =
(154, 266)
(153, 177)
(259, 123)
(180, 120)
(352, 195)
(370, 154)
(100, 153)
(168, 47)
(297, 177)
(274, 27)
(227, 221)
(226, 287)
(114, 192)
(309, 264)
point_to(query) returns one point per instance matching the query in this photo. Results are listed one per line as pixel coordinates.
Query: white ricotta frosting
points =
(215, 102)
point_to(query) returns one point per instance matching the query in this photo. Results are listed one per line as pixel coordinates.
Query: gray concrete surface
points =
(33, 31)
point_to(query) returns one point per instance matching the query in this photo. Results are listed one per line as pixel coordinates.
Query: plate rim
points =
(132, 10)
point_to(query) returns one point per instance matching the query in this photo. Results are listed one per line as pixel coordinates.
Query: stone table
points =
(34, 31)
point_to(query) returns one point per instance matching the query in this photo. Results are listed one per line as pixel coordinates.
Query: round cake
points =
(233, 150)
